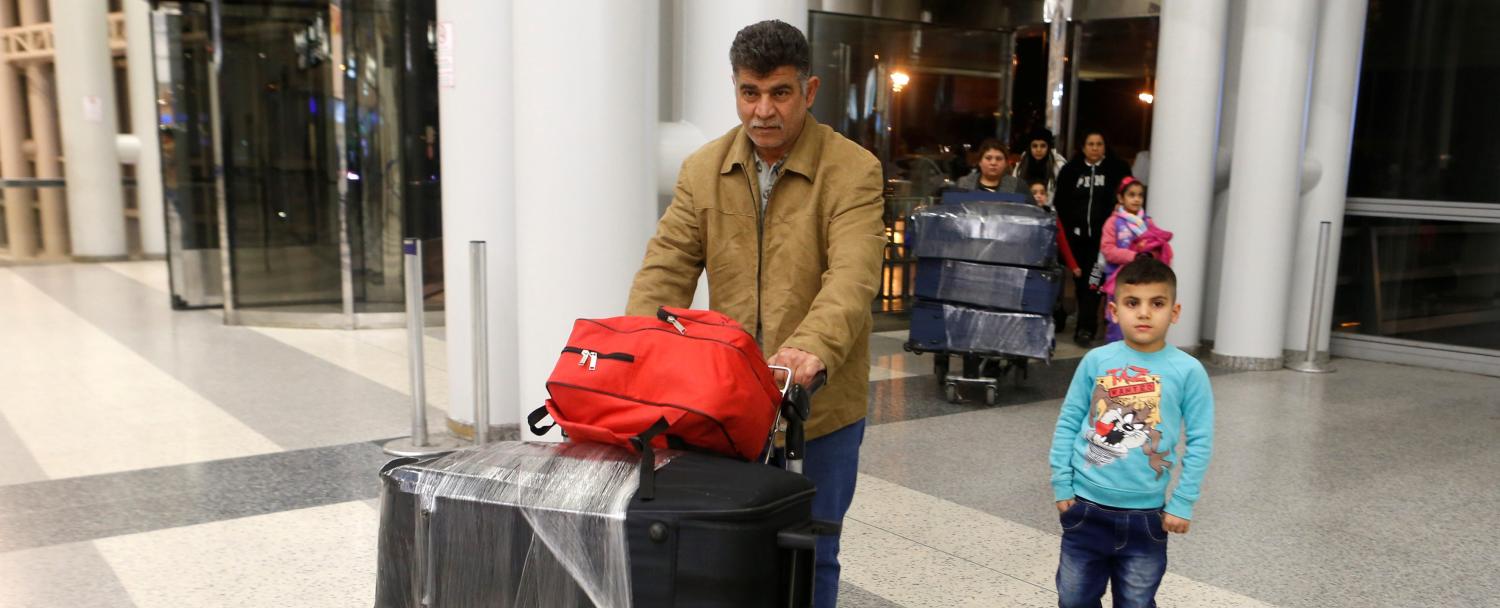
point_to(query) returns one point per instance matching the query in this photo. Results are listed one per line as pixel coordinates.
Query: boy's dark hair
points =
(993, 144)
(1145, 271)
(771, 44)
(1037, 182)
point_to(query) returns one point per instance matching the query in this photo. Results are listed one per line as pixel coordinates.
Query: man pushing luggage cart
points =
(785, 215)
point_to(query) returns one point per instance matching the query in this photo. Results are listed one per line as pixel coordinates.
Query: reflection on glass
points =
(187, 157)
(1423, 280)
(392, 147)
(280, 157)
(919, 96)
(1425, 127)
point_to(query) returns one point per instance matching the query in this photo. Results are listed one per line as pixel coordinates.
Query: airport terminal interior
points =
(208, 270)
(205, 465)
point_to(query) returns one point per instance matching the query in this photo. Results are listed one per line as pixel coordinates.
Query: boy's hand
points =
(1077, 272)
(1064, 505)
(1175, 524)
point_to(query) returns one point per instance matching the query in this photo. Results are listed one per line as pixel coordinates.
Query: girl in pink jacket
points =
(1128, 233)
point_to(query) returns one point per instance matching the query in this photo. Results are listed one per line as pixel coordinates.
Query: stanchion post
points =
(1310, 363)
(478, 280)
(419, 444)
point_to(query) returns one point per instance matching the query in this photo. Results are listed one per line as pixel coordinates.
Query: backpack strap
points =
(642, 443)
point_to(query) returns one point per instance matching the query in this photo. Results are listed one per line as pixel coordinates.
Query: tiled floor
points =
(159, 458)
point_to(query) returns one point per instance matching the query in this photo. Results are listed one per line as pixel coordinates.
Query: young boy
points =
(1113, 450)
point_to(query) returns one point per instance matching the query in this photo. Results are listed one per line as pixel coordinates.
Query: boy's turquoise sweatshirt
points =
(1119, 425)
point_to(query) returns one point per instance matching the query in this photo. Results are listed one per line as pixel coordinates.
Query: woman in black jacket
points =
(1084, 200)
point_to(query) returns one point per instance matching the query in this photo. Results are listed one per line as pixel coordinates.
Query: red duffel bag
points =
(687, 378)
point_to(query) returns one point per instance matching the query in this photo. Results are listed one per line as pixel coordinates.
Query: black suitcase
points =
(703, 530)
(943, 327)
(1014, 234)
(1011, 288)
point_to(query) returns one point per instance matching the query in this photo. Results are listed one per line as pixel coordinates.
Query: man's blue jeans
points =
(832, 463)
(1126, 548)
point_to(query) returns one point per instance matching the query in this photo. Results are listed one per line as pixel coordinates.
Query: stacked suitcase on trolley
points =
(986, 282)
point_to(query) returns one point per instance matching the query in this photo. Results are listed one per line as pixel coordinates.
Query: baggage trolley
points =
(985, 369)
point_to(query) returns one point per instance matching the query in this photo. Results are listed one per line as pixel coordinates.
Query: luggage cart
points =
(984, 369)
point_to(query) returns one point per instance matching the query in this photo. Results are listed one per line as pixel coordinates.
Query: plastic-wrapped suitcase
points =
(699, 542)
(1011, 288)
(1014, 234)
(939, 326)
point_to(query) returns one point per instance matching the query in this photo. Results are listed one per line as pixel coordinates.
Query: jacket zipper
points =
(592, 357)
(760, 237)
(1088, 218)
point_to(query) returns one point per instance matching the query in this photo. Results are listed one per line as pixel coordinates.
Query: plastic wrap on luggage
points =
(561, 533)
(993, 233)
(1012, 288)
(937, 326)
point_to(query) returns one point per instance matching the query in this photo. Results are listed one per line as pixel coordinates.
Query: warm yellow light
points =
(899, 80)
(1146, 97)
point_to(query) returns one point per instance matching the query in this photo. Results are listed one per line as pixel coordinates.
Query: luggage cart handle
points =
(797, 407)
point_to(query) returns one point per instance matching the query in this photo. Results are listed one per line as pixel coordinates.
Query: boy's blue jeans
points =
(832, 463)
(1126, 548)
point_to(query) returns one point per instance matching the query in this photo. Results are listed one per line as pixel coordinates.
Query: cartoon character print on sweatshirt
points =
(1126, 411)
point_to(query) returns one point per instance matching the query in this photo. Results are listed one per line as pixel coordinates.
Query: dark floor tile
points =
(84, 508)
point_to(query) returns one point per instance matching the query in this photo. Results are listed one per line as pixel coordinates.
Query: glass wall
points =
(1426, 126)
(1420, 257)
(920, 96)
(1424, 280)
(326, 120)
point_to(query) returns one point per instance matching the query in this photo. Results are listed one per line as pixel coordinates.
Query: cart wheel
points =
(991, 394)
(940, 366)
(950, 392)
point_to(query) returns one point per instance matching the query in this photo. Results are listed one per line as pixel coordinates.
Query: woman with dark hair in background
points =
(1040, 162)
(1085, 198)
(991, 175)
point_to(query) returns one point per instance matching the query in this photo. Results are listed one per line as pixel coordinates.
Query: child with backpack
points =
(1129, 234)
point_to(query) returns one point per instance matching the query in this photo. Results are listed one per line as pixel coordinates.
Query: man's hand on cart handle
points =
(804, 365)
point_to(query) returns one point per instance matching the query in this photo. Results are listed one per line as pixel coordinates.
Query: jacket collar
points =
(802, 159)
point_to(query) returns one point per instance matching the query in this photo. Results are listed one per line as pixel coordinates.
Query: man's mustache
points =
(764, 125)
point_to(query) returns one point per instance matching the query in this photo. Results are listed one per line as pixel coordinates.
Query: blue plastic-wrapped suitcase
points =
(943, 327)
(1014, 234)
(1013, 288)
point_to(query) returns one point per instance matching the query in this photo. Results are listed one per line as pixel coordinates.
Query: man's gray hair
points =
(763, 47)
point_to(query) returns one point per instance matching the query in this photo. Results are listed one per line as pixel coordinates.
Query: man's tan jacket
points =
(803, 277)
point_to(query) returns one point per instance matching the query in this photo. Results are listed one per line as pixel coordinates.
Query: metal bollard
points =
(478, 281)
(1310, 364)
(418, 444)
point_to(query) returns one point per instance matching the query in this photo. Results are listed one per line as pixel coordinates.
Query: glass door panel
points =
(280, 157)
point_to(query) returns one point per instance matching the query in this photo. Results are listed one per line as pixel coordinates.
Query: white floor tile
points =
(72, 575)
(151, 273)
(85, 404)
(309, 558)
(376, 354)
(950, 541)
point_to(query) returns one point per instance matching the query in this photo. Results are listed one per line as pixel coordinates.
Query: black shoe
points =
(1083, 339)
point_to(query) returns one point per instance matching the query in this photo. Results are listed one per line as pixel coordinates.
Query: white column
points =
(143, 121)
(1330, 133)
(1227, 111)
(585, 110)
(707, 28)
(41, 103)
(475, 115)
(86, 111)
(21, 231)
(1189, 69)
(1264, 188)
